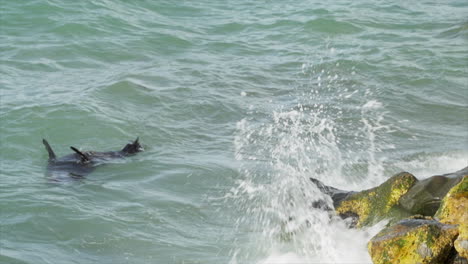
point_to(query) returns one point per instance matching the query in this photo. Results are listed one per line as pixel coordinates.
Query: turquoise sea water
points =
(237, 103)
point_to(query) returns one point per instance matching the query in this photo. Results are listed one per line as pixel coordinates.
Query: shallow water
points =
(236, 104)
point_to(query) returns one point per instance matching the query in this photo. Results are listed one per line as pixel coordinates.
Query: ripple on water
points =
(350, 92)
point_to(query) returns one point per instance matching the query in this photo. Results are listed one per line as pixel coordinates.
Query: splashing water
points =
(329, 140)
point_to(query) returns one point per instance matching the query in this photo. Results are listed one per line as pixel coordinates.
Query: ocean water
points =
(237, 103)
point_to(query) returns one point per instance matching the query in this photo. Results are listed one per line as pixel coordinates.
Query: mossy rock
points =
(454, 206)
(461, 244)
(376, 204)
(413, 241)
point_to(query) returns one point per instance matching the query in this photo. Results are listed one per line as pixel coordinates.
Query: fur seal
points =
(80, 163)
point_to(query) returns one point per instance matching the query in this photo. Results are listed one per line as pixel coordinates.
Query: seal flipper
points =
(83, 157)
(52, 156)
(132, 148)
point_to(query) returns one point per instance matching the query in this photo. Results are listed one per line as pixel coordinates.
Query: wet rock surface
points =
(413, 241)
(454, 206)
(337, 195)
(428, 219)
(378, 203)
(426, 195)
(461, 244)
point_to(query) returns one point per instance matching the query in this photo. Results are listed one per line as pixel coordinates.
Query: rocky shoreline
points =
(427, 219)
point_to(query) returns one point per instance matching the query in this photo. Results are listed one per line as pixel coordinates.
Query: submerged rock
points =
(426, 195)
(376, 204)
(424, 241)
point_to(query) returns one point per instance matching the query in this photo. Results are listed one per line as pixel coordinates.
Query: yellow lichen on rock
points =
(413, 241)
(461, 244)
(400, 186)
(454, 207)
(375, 204)
(361, 207)
(454, 210)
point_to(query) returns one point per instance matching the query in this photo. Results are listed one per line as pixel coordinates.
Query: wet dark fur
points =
(81, 163)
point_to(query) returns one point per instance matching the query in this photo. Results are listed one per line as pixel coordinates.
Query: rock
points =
(424, 241)
(457, 259)
(454, 207)
(337, 195)
(454, 210)
(461, 244)
(426, 195)
(376, 204)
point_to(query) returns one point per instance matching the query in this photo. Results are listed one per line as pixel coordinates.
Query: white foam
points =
(435, 164)
(283, 258)
(280, 153)
(276, 193)
(348, 246)
(372, 104)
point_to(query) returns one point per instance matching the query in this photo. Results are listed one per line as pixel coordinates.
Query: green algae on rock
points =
(376, 204)
(424, 241)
